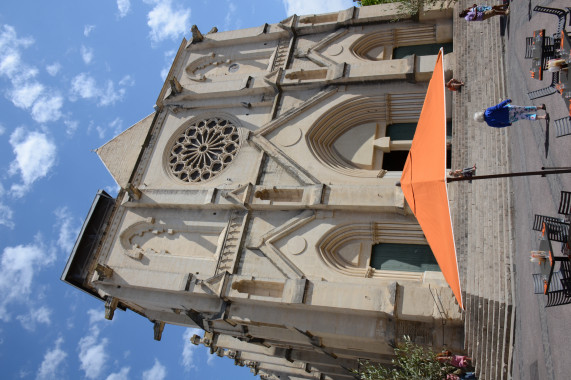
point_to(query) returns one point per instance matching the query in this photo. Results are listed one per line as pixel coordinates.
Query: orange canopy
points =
(423, 179)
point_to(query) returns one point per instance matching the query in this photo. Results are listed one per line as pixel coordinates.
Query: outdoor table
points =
(564, 85)
(546, 266)
(536, 71)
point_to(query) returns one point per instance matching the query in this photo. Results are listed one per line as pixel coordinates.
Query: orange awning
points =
(423, 180)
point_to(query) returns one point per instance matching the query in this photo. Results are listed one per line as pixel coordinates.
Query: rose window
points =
(203, 149)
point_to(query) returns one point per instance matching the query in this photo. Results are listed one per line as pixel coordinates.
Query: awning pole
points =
(542, 173)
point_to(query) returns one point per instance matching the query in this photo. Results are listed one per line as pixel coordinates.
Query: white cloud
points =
(210, 360)
(2, 129)
(35, 316)
(188, 349)
(86, 54)
(26, 92)
(67, 230)
(124, 6)
(116, 126)
(305, 7)
(123, 374)
(85, 87)
(95, 316)
(53, 69)
(53, 359)
(157, 372)
(92, 353)
(87, 29)
(231, 16)
(71, 126)
(10, 43)
(127, 80)
(18, 267)
(6, 212)
(47, 109)
(166, 21)
(100, 132)
(6, 215)
(25, 95)
(35, 157)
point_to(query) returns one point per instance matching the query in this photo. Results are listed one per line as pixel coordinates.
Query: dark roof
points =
(85, 247)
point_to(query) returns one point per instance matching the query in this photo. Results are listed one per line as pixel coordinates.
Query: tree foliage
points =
(412, 362)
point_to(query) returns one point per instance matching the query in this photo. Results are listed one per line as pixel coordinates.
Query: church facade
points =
(258, 202)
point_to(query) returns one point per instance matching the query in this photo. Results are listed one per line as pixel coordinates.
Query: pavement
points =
(509, 332)
(542, 335)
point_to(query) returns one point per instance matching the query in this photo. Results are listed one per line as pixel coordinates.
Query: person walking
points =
(484, 12)
(504, 114)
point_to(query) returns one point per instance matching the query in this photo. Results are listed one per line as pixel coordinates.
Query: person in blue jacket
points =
(504, 114)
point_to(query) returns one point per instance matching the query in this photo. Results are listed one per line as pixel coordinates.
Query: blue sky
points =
(73, 74)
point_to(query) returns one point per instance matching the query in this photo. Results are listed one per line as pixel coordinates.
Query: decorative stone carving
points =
(149, 238)
(296, 245)
(103, 271)
(203, 149)
(110, 306)
(158, 328)
(196, 35)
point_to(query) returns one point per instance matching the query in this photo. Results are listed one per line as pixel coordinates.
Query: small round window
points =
(233, 67)
(203, 149)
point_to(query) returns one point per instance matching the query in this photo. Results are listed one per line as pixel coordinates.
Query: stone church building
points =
(258, 201)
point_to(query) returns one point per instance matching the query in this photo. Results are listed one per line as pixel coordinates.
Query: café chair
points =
(557, 231)
(557, 295)
(566, 283)
(538, 283)
(565, 203)
(539, 219)
(560, 13)
(546, 91)
(563, 126)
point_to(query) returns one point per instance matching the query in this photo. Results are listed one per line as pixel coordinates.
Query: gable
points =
(120, 155)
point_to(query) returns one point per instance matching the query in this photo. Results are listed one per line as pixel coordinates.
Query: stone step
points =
(483, 230)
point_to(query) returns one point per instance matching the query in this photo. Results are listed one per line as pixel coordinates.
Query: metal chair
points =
(557, 231)
(557, 294)
(560, 13)
(565, 203)
(550, 90)
(539, 219)
(563, 127)
(548, 51)
(538, 283)
(565, 269)
(566, 284)
(557, 298)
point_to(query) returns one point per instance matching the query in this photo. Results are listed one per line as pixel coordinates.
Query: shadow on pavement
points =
(546, 137)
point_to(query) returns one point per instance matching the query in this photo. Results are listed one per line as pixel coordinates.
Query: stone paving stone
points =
(482, 210)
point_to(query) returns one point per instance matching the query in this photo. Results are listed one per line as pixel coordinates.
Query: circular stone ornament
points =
(296, 245)
(203, 149)
(289, 137)
(335, 50)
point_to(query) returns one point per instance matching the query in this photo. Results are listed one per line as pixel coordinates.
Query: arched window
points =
(403, 257)
(398, 42)
(386, 250)
(421, 49)
(352, 138)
